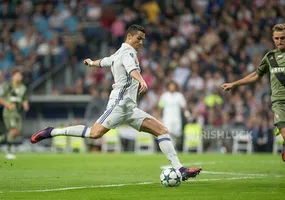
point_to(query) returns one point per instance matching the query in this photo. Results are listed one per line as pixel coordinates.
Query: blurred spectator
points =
(152, 10)
(261, 132)
(118, 31)
(173, 106)
(94, 10)
(195, 81)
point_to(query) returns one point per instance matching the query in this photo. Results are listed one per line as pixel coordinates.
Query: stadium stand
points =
(200, 44)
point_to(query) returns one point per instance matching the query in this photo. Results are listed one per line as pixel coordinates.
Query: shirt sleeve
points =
(128, 60)
(263, 67)
(106, 61)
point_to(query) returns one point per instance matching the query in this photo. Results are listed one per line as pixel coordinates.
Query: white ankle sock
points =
(76, 131)
(167, 148)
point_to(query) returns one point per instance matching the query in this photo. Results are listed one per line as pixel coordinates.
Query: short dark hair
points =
(134, 28)
(15, 71)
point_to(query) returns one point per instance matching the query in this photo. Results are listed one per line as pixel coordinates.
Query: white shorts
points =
(127, 113)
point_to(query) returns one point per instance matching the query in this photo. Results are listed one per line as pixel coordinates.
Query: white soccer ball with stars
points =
(170, 177)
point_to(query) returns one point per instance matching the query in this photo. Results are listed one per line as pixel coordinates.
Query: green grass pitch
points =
(131, 176)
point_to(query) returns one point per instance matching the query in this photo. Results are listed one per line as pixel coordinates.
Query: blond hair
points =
(278, 27)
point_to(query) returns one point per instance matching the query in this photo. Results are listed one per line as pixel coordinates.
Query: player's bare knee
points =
(162, 130)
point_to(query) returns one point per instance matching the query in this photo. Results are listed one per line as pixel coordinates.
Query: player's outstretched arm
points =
(251, 78)
(143, 86)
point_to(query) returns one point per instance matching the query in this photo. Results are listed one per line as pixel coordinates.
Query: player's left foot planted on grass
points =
(189, 172)
(42, 134)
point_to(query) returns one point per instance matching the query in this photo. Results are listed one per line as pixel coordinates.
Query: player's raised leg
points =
(156, 128)
(109, 119)
(95, 131)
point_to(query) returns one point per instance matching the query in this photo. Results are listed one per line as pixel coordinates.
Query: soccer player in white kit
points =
(173, 102)
(122, 105)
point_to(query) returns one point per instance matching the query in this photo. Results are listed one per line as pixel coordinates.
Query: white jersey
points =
(122, 63)
(172, 104)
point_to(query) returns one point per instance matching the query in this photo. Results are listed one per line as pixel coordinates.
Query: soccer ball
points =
(170, 177)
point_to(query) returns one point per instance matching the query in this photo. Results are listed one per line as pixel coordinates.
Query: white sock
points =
(167, 148)
(76, 131)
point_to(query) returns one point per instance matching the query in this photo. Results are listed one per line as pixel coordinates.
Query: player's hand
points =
(88, 62)
(143, 87)
(228, 86)
(11, 106)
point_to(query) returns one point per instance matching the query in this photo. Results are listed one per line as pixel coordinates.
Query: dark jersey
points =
(15, 94)
(274, 62)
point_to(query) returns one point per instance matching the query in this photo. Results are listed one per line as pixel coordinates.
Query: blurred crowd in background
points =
(199, 43)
